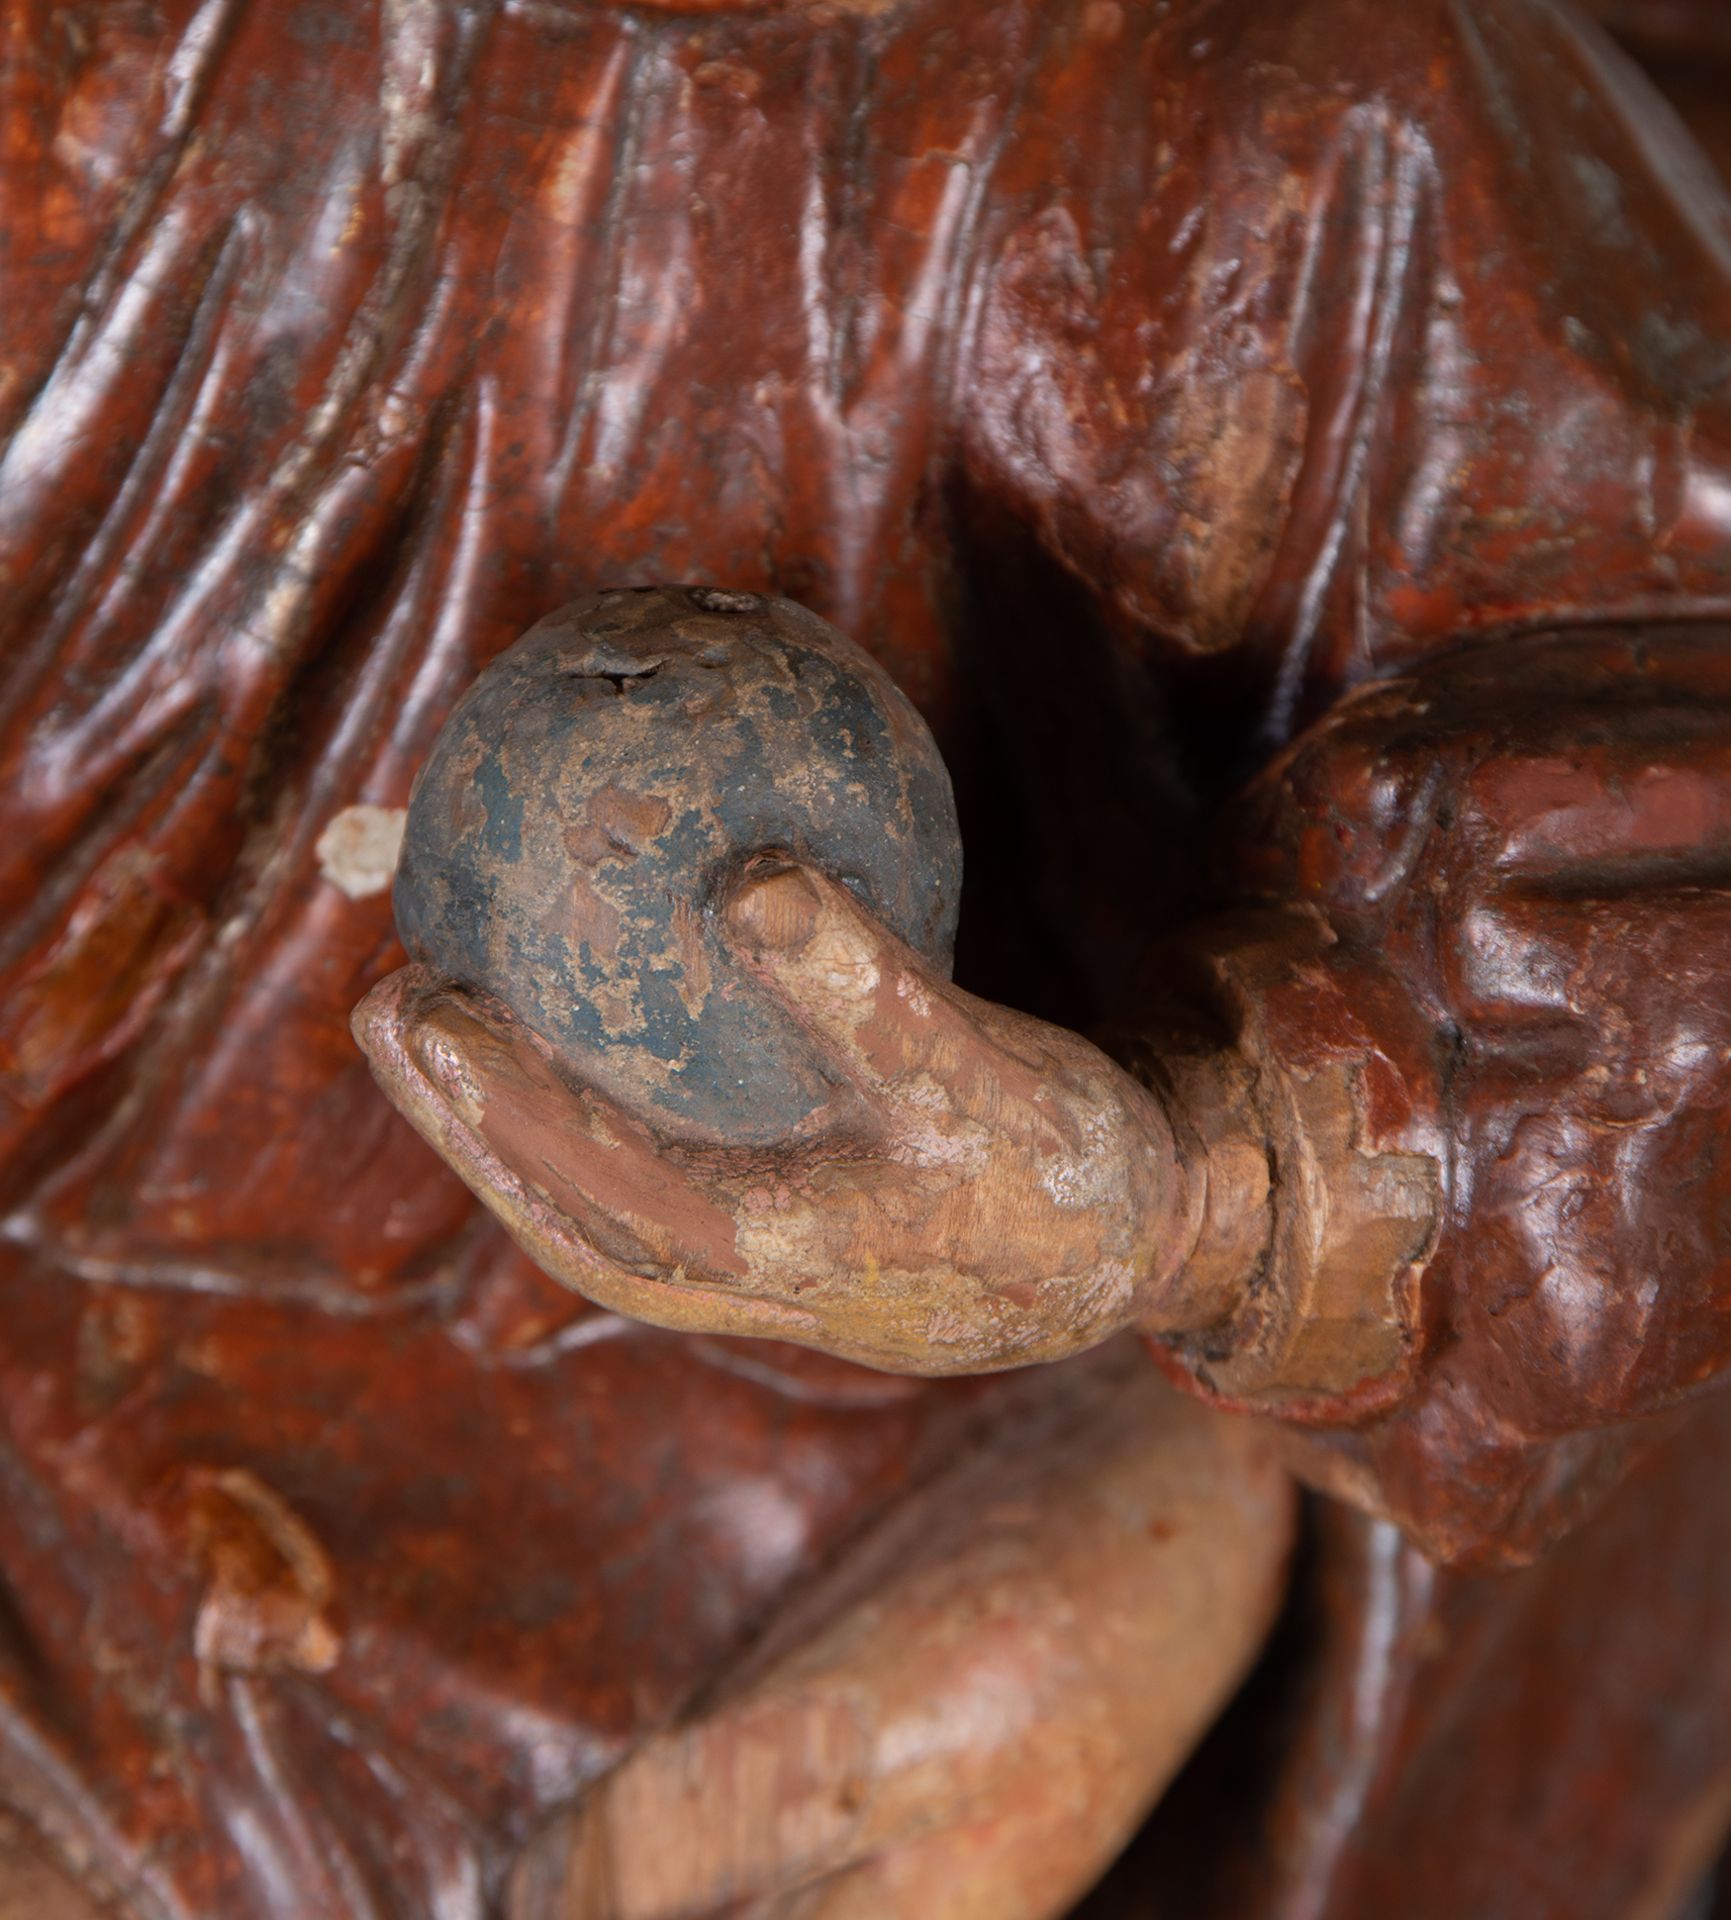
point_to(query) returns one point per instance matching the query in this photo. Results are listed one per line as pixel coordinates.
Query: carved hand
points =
(982, 1190)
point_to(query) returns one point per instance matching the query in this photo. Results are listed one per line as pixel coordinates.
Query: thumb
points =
(865, 993)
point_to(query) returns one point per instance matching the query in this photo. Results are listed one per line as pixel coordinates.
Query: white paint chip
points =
(358, 850)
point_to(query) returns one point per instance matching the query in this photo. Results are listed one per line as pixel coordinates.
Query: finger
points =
(574, 1181)
(773, 1248)
(879, 1009)
(579, 1150)
(960, 1085)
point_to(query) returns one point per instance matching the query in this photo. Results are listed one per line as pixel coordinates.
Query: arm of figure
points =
(1530, 850)
(997, 1191)
(1418, 340)
(1424, 1152)
(1380, 428)
(940, 1728)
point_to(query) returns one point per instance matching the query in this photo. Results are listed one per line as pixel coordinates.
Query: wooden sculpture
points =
(1282, 451)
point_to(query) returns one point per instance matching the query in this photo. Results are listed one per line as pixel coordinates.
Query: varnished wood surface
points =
(1131, 380)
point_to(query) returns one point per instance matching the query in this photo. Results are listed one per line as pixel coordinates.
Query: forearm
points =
(1479, 1010)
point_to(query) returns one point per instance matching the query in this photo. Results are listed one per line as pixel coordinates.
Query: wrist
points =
(1304, 1093)
(1210, 1144)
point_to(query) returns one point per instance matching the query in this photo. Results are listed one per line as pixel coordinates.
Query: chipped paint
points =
(358, 852)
